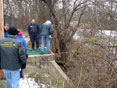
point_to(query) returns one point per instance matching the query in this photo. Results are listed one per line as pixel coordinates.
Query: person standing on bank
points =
(33, 31)
(6, 28)
(20, 37)
(12, 55)
(46, 34)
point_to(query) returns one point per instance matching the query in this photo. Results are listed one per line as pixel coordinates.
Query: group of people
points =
(13, 49)
(45, 31)
(12, 57)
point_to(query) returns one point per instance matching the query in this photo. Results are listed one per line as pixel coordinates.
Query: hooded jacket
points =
(47, 29)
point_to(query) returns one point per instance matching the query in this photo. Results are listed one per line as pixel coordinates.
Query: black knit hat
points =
(13, 31)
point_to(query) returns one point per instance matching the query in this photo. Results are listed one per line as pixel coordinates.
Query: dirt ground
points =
(2, 83)
(42, 77)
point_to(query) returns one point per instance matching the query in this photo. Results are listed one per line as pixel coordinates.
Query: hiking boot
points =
(41, 53)
(37, 49)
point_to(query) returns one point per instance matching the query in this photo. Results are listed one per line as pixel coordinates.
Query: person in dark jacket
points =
(33, 31)
(12, 55)
(46, 34)
(20, 37)
(6, 28)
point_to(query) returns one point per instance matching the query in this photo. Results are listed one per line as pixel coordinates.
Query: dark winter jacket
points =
(12, 53)
(33, 29)
(46, 29)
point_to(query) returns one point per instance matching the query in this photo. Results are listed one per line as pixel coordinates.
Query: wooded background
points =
(88, 61)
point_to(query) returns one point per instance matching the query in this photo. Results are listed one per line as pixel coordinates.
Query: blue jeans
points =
(12, 78)
(43, 38)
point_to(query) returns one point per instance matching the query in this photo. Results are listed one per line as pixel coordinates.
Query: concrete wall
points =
(47, 62)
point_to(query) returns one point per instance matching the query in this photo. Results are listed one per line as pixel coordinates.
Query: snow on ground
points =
(30, 83)
(100, 32)
(76, 36)
(108, 32)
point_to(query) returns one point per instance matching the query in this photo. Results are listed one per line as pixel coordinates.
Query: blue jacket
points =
(23, 42)
(5, 33)
(33, 29)
(47, 29)
(12, 53)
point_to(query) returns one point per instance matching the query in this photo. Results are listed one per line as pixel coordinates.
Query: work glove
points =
(23, 66)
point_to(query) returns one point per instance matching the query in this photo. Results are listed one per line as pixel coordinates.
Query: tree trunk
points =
(63, 50)
(1, 30)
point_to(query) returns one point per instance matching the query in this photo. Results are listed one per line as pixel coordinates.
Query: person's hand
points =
(26, 56)
(50, 36)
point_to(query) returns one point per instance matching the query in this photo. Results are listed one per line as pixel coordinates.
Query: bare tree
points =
(64, 31)
(89, 62)
(23, 11)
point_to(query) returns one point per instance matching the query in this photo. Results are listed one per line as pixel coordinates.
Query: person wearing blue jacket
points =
(34, 31)
(6, 28)
(19, 37)
(46, 34)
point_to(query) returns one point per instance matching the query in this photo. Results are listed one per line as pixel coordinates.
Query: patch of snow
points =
(30, 83)
(43, 86)
(108, 32)
(76, 36)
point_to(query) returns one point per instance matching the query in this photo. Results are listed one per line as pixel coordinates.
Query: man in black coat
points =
(33, 31)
